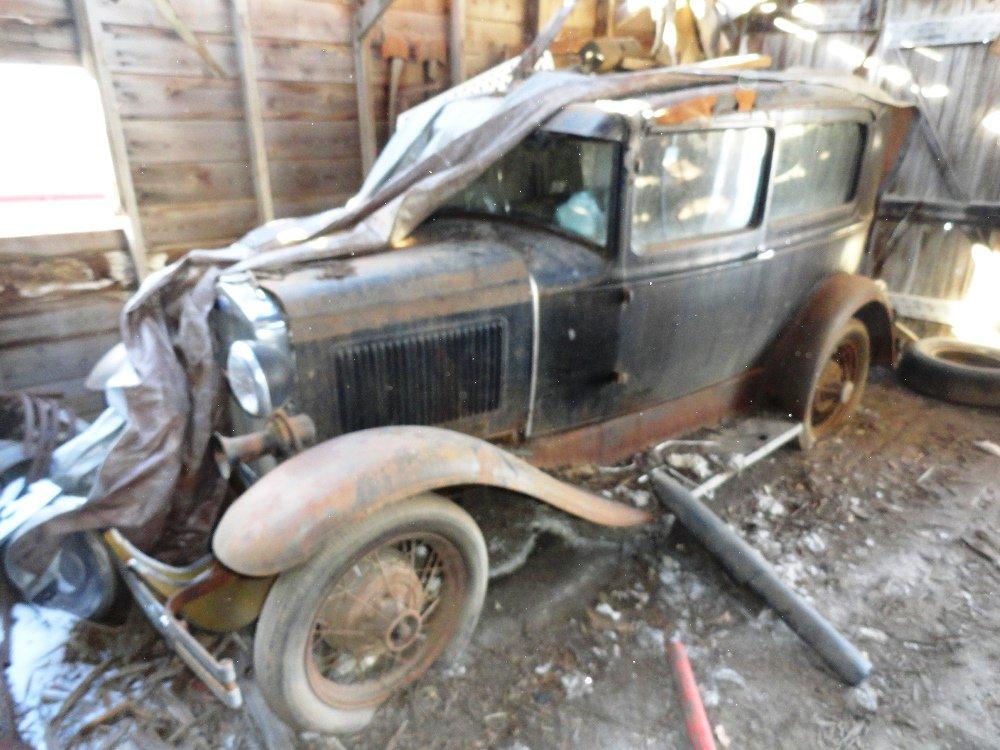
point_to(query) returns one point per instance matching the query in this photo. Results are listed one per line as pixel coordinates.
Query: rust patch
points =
(745, 99)
(283, 519)
(619, 438)
(689, 109)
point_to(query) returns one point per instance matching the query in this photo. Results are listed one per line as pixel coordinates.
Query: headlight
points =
(259, 377)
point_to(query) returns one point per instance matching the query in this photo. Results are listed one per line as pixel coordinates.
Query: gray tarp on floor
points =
(151, 477)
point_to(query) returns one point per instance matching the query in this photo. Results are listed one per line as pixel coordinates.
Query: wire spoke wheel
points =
(385, 619)
(368, 614)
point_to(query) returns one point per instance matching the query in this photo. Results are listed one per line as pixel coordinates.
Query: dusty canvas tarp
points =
(152, 472)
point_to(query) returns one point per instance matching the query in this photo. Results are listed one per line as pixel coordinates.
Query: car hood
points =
(438, 274)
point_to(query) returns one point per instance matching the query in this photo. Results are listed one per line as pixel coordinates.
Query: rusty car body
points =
(634, 268)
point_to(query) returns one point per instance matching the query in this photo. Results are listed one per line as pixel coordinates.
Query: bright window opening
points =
(56, 175)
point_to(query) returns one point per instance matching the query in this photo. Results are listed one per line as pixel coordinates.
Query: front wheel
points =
(837, 383)
(369, 613)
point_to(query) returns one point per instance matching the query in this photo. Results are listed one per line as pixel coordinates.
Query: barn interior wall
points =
(934, 256)
(184, 124)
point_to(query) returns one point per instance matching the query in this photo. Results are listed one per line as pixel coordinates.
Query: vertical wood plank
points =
(366, 16)
(90, 33)
(366, 116)
(456, 41)
(252, 109)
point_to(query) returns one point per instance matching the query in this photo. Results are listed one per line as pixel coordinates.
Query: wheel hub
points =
(404, 631)
(376, 607)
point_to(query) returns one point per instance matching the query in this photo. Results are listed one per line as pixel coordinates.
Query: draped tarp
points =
(153, 474)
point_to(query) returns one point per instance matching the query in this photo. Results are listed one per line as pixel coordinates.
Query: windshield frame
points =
(608, 248)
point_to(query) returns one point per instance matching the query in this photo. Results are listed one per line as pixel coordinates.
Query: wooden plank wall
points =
(38, 31)
(60, 298)
(60, 295)
(496, 30)
(187, 143)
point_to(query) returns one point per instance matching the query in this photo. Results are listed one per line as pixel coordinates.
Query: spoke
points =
(385, 579)
(429, 607)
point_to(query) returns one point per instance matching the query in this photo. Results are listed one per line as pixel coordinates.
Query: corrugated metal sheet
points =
(932, 260)
(969, 70)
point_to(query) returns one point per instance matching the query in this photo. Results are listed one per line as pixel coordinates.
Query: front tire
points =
(369, 613)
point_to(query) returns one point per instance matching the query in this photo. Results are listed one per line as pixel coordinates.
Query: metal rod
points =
(695, 719)
(747, 460)
(747, 566)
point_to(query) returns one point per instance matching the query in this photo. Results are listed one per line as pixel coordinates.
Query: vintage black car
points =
(633, 268)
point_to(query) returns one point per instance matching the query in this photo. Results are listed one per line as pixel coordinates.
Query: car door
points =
(818, 210)
(692, 266)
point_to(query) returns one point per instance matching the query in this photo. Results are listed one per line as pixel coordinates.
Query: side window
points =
(818, 166)
(698, 183)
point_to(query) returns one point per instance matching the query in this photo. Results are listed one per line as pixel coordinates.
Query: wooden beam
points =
(367, 15)
(91, 32)
(166, 9)
(543, 41)
(252, 109)
(456, 41)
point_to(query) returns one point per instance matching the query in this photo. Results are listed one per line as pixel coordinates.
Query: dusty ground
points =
(877, 527)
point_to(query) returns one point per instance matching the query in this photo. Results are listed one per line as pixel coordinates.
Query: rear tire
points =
(369, 613)
(837, 382)
(953, 371)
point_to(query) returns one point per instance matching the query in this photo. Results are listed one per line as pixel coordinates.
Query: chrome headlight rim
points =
(243, 367)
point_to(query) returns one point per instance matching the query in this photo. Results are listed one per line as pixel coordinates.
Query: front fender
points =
(284, 518)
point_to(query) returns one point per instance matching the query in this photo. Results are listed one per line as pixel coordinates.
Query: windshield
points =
(560, 181)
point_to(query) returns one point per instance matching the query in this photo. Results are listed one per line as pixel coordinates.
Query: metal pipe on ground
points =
(747, 566)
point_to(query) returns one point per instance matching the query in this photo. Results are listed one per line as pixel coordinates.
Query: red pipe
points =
(698, 729)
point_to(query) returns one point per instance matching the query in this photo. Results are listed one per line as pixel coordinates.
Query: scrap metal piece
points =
(203, 593)
(743, 461)
(219, 675)
(695, 719)
(747, 566)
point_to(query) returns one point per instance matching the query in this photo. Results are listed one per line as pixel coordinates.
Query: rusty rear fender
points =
(284, 518)
(831, 305)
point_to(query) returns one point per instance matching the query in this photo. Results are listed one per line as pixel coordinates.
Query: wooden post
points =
(252, 109)
(90, 31)
(366, 116)
(456, 41)
(367, 15)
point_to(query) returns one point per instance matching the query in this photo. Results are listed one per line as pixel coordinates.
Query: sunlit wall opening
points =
(57, 175)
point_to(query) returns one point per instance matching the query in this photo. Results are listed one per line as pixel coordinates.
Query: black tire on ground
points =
(838, 381)
(367, 587)
(953, 371)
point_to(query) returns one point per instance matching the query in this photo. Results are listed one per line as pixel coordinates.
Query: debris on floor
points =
(885, 550)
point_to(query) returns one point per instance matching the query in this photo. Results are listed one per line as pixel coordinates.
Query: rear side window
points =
(698, 183)
(817, 167)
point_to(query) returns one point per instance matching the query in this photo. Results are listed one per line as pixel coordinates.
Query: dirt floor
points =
(892, 530)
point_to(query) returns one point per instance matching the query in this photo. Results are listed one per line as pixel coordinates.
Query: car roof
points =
(610, 118)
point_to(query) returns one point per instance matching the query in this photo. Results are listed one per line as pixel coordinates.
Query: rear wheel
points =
(369, 613)
(838, 382)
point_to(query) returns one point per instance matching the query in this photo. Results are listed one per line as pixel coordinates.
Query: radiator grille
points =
(422, 378)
